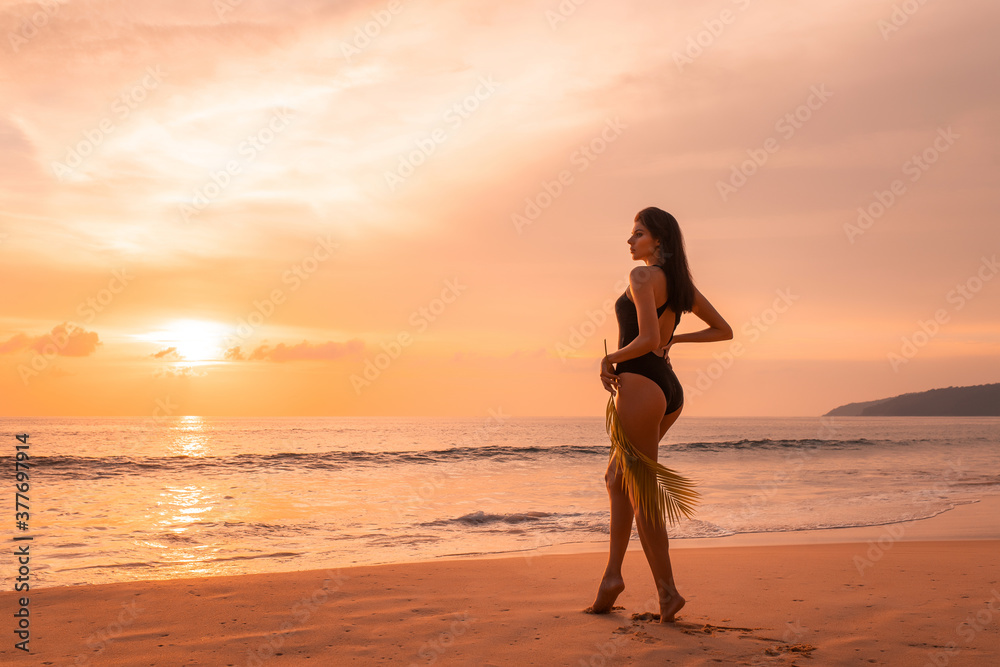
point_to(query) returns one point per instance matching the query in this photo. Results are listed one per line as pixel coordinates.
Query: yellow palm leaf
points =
(656, 490)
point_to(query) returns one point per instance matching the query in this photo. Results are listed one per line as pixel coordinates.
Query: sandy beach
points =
(314, 311)
(892, 597)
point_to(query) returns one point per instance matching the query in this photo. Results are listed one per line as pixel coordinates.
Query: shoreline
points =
(975, 520)
(920, 592)
(906, 602)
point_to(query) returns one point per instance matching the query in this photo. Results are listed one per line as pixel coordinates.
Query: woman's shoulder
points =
(644, 273)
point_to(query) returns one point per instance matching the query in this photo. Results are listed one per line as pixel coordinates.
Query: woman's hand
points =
(664, 351)
(608, 377)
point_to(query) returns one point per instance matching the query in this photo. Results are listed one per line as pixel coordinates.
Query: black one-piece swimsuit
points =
(648, 365)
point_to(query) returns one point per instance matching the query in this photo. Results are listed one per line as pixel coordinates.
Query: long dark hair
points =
(673, 260)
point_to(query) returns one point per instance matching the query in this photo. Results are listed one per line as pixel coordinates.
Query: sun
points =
(195, 340)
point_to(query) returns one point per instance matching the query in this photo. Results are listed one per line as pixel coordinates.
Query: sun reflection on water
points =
(190, 437)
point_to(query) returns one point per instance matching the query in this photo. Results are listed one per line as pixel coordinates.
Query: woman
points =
(649, 396)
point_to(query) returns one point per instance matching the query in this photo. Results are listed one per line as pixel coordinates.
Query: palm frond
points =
(656, 490)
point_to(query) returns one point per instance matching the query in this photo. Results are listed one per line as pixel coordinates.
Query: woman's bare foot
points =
(609, 591)
(669, 606)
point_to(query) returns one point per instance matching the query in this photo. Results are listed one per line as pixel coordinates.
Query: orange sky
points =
(445, 202)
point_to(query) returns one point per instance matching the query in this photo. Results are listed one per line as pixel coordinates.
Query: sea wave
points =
(105, 466)
(481, 518)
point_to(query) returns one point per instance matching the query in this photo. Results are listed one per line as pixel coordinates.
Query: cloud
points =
(15, 343)
(66, 339)
(304, 351)
(170, 352)
(180, 372)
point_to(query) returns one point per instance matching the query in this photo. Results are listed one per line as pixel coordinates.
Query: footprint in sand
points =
(780, 646)
(590, 610)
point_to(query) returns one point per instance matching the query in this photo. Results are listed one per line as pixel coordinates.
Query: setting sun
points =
(192, 340)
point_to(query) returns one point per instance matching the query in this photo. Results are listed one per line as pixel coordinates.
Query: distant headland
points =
(981, 400)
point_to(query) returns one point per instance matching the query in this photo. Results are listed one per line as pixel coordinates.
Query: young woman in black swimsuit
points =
(649, 396)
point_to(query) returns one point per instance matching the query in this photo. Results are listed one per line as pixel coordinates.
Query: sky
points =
(421, 208)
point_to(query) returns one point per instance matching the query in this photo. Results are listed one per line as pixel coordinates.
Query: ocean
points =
(123, 498)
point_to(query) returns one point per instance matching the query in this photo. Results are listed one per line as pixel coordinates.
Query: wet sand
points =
(887, 601)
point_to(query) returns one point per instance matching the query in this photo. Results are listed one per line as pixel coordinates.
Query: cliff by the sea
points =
(981, 400)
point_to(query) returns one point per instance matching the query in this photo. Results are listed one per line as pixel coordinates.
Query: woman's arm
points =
(645, 306)
(718, 328)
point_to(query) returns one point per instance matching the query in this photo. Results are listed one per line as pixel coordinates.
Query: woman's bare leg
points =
(655, 545)
(612, 584)
(668, 421)
(640, 410)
